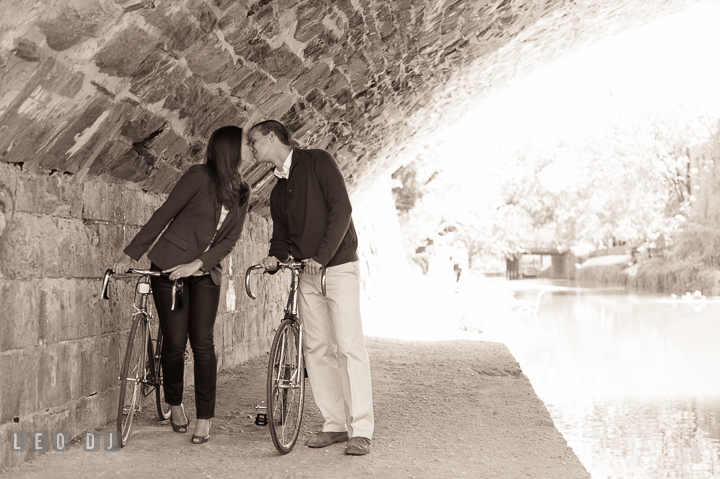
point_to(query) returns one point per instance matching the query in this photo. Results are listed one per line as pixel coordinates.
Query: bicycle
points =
(286, 366)
(141, 372)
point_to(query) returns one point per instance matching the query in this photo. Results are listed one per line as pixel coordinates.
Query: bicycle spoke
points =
(285, 393)
(132, 377)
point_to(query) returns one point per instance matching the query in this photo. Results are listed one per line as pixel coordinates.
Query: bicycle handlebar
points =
(176, 289)
(290, 265)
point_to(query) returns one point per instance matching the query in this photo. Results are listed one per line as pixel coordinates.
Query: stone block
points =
(124, 53)
(59, 378)
(72, 309)
(225, 4)
(206, 17)
(19, 325)
(49, 247)
(110, 345)
(18, 376)
(317, 77)
(239, 30)
(70, 28)
(234, 357)
(56, 195)
(280, 62)
(118, 205)
(310, 17)
(170, 146)
(27, 50)
(347, 7)
(225, 113)
(130, 163)
(98, 363)
(208, 60)
(164, 178)
(87, 130)
(337, 83)
(277, 107)
(316, 99)
(96, 410)
(141, 126)
(157, 77)
(253, 87)
(250, 327)
(23, 241)
(36, 98)
(358, 69)
(196, 100)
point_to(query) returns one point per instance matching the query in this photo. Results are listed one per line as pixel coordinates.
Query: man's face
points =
(246, 154)
(259, 144)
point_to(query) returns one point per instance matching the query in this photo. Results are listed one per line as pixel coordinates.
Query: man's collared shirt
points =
(285, 173)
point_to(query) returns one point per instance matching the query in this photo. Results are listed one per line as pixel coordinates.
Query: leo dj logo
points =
(43, 441)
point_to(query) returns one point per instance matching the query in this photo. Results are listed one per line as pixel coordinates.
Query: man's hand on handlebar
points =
(312, 266)
(270, 263)
(122, 263)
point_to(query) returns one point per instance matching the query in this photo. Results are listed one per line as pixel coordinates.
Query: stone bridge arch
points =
(105, 103)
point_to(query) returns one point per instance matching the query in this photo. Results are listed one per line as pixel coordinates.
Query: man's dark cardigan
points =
(311, 212)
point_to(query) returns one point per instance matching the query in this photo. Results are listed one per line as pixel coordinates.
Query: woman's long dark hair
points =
(222, 160)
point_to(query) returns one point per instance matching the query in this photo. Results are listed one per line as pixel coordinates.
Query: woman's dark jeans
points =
(196, 318)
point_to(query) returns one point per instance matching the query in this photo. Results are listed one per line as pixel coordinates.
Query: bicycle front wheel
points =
(163, 408)
(286, 387)
(131, 377)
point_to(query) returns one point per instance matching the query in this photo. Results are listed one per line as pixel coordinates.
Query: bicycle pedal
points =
(261, 418)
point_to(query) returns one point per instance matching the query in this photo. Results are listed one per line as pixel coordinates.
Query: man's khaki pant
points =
(334, 347)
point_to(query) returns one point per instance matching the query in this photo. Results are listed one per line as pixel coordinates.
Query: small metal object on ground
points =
(261, 418)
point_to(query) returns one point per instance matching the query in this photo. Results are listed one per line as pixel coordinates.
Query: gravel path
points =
(443, 409)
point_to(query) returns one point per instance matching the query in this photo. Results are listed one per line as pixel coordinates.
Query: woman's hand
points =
(184, 270)
(122, 263)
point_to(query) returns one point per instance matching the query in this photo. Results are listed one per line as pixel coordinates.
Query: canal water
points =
(632, 381)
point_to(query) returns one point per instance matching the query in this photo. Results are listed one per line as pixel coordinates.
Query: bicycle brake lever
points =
(106, 279)
(176, 295)
(323, 282)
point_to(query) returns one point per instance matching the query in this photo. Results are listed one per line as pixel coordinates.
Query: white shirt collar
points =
(285, 173)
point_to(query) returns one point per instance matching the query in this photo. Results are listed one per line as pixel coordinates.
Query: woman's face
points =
(246, 154)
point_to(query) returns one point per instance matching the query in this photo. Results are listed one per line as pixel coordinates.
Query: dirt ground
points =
(442, 409)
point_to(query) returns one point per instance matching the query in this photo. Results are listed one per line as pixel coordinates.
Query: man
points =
(312, 222)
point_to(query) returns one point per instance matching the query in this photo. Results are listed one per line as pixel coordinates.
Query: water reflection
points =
(630, 380)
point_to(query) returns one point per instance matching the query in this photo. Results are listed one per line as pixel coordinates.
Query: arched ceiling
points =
(130, 90)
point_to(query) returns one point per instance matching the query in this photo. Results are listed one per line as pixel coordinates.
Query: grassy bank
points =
(655, 275)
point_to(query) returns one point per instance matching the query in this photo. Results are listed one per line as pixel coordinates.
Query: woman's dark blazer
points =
(193, 214)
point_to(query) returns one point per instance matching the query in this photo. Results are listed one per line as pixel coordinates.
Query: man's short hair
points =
(267, 126)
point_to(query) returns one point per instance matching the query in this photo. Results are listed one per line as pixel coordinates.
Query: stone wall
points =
(61, 345)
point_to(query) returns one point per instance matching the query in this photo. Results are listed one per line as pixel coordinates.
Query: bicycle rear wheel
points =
(286, 387)
(163, 408)
(131, 377)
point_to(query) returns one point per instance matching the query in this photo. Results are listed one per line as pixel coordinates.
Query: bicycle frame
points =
(286, 374)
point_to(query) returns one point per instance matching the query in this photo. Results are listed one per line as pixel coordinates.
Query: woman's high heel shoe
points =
(201, 439)
(181, 428)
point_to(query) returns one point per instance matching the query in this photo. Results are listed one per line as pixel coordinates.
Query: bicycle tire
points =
(131, 378)
(285, 387)
(163, 408)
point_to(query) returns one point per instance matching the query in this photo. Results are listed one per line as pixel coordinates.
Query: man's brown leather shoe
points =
(326, 438)
(358, 446)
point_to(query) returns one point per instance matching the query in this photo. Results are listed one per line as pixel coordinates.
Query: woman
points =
(205, 211)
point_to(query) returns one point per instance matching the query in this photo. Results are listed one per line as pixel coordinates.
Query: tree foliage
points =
(622, 185)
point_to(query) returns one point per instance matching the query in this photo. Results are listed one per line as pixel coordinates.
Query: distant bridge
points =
(562, 265)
